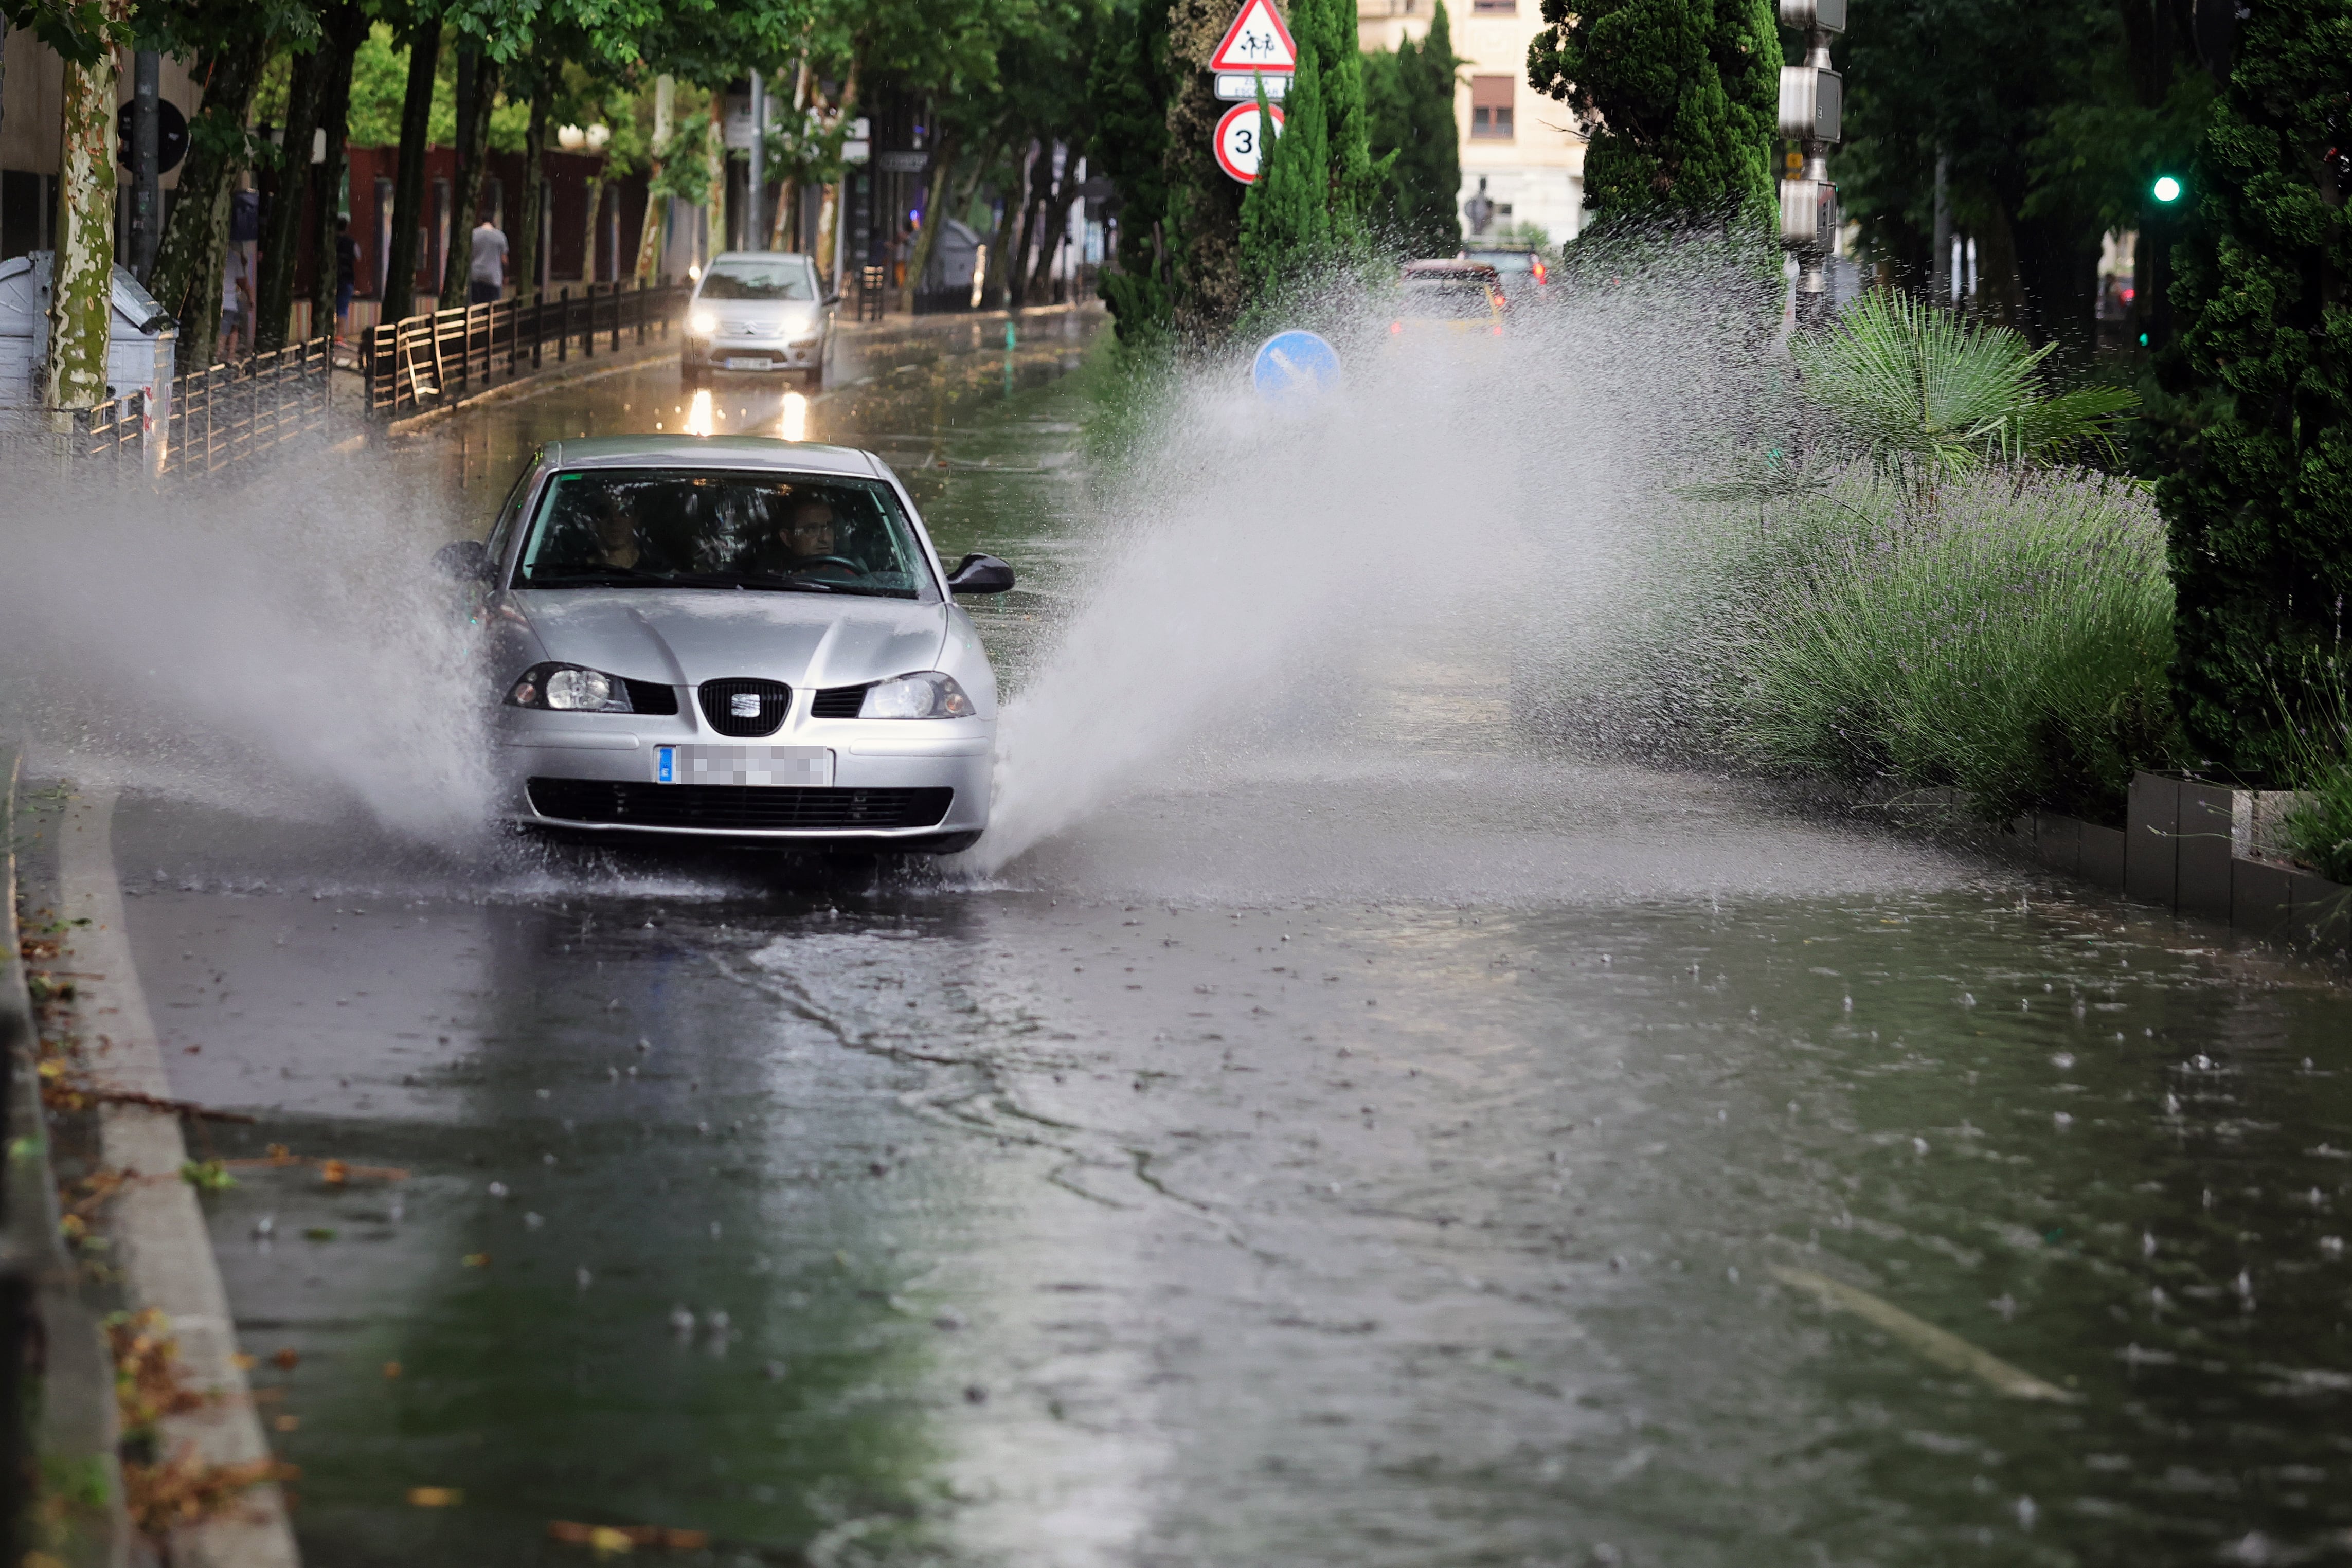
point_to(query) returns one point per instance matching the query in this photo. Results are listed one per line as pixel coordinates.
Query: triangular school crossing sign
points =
(1257, 41)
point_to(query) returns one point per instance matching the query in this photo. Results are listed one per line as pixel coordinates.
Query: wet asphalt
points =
(1253, 1174)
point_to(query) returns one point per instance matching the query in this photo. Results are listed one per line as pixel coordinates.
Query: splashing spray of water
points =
(1256, 564)
(277, 647)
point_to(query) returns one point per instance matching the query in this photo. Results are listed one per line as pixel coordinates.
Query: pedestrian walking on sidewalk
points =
(237, 302)
(486, 279)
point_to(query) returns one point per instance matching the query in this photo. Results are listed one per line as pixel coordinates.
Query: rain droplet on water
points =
(1967, 998)
(681, 1321)
(2147, 1244)
(2331, 1246)
(534, 1220)
(497, 1189)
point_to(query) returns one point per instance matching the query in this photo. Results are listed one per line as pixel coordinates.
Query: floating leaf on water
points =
(434, 1497)
(475, 1260)
(320, 1233)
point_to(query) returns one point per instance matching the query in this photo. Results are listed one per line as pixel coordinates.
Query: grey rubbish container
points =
(138, 352)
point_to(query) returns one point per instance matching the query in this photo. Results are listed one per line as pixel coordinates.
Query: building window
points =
(1490, 107)
(1494, 8)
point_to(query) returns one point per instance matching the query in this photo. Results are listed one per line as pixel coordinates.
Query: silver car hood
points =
(687, 636)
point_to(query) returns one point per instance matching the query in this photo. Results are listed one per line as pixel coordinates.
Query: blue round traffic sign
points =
(1294, 366)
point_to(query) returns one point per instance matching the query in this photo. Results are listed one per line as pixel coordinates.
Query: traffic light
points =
(2166, 189)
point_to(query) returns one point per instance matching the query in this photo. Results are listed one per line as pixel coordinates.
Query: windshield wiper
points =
(591, 577)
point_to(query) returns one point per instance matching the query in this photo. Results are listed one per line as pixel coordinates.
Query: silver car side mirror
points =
(979, 574)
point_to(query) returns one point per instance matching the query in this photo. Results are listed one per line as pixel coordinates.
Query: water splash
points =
(278, 646)
(1255, 563)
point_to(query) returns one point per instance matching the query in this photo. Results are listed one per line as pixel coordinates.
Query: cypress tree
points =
(1409, 97)
(1287, 227)
(2260, 498)
(1339, 63)
(1683, 97)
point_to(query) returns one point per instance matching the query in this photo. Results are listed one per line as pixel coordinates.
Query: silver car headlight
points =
(703, 321)
(930, 694)
(568, 688)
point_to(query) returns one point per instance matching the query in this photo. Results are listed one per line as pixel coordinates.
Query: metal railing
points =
(225, 414)
(209, 419)
(426, 362)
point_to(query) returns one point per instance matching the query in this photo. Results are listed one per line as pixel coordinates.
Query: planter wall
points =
(2198, 848)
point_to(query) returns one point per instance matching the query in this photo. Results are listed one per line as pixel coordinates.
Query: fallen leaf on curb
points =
(623, 1538)
(184, 1490)
(434, 1497)
(392, 1369)
(334, 1173)
(287, 1359)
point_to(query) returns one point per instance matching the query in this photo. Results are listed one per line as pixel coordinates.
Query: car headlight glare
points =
(568, 688)
(932, 693)
(703, 321)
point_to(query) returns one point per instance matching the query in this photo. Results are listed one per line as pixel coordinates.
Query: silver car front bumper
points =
(752, 354)
(886, 778)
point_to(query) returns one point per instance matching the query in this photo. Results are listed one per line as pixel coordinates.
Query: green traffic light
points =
(2166, 189)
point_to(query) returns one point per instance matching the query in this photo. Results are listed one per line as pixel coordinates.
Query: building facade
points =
(1522, 158)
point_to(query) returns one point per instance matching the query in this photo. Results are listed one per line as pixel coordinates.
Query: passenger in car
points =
(617, 542)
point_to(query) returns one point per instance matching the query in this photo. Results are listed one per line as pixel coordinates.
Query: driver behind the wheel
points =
(805, 538)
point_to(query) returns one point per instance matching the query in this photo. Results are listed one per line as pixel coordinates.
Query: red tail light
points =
(1539, 272)
(1396, 329)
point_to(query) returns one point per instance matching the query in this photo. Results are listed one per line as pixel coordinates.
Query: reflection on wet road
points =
(1274, 1169)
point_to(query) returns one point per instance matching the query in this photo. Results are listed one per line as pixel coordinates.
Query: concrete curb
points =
(2189, 846)
(605, 364)
(156, 1228)
(72, 1426)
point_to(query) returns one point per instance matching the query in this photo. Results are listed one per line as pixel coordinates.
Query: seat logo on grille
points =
(743, 704)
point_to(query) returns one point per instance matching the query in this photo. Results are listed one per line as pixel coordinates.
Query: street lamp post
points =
(1812, 112)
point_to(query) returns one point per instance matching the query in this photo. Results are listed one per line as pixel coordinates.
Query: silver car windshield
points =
(781, 278)
(653, 528)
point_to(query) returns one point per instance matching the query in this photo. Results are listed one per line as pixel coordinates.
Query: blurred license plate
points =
(806, 766)
(742, 364)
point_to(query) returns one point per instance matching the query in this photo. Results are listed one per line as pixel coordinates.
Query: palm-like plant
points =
(1924, 393)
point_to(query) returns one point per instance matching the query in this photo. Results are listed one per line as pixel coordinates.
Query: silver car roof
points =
(716, 452)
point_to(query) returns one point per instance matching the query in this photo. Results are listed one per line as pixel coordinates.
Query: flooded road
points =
(1392, 1145)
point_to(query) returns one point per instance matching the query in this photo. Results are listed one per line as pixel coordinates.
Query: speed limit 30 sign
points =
(1239, 144)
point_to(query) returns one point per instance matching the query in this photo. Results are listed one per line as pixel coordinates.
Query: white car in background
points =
(761, 311)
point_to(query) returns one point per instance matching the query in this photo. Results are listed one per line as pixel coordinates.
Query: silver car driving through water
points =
(758, 311)
(731, 638)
